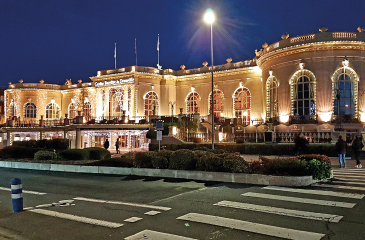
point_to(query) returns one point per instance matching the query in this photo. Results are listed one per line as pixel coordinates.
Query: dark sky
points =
(57, 40)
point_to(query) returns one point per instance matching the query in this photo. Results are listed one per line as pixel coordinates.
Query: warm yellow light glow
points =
(209, 16)
(222, 114)
(174, 131)
(52, 100)
(284, 118)
(362, 117)
(220, 136)
(325, 116)
(244, 113)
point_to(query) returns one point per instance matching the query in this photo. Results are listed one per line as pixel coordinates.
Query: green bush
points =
(210, 162)
(165, 153)
(18, 152)
(201, 153)
(96, 153)
(285, 167)
(45, 155)
(318, 169)
(143, 159)
(58, 144)
(123, 161)
(160, 162)
(235, 164)
(183, 159)
(74, 154)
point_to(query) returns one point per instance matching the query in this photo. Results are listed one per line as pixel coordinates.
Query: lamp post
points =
(338, 97)
(209, 18)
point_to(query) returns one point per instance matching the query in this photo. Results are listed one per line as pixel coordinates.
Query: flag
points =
(158, 42)
(135, 45)
(115, 51)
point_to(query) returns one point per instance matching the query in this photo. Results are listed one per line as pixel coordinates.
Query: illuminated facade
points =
(311, 82)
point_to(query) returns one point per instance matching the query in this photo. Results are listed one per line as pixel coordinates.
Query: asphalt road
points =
(99, 206)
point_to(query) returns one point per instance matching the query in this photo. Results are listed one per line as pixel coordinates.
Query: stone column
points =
(8, 138)
(78, 138)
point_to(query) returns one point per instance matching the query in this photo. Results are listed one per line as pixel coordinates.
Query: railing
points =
(303, 119)
(302, 38)
(344, 35)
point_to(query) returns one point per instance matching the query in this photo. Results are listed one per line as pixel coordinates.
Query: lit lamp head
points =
(209, 16)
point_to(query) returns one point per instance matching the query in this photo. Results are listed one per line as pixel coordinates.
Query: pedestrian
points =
(300, 145)
(106, 144)
(341, 146)
(117, 144)
(357, 146)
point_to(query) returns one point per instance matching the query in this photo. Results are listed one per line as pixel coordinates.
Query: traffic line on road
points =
(24, 191)
(77, 218)
(357, 174)
(348, 182)
(350, 179)
(300, 200)
(316, 192)
(123, 203)
(263, 229)
(281, 211)
(153, 235)
(340, 186)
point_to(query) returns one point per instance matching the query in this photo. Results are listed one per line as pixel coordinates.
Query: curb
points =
(257, 179)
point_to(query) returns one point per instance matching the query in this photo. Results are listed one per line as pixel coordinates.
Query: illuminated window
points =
(87, 111)
(11, 109)
(303, 90)
(117, 104)
(30, 110)
(52, 111)
(217, 104)
(242, 104)
(193, 103)
(150, 104)
(72, 110)
(272, 91)
(345, 84)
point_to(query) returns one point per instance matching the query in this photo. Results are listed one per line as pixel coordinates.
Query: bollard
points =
(16, 194)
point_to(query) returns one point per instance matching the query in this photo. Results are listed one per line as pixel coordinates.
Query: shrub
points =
(210, 162)
(321, 158)
(18, 152)
(96, 153)
(45, 155)
(285, 167)
(318, 169)
(143, 159)
(240, 140)
(201, 153)
(235, 164)
(74, 154)
(58, 143)
(183, 159)
(165, 153)
(125, 160)
(256, 167)
(160, 162)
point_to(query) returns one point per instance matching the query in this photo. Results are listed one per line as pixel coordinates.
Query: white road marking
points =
(350, 178)
(77, 218)
(153, 235)
(152, 213)
(317, 192)
(133, 219)
(24, 191)
(355, 174)
(349, 182)
(339, 186)
(281, 211)
(123, 203)
(301, 200)
(252, 227)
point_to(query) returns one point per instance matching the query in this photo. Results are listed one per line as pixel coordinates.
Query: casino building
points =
(311, 84)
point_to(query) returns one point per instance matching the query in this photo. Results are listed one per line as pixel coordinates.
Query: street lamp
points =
(338, 97)
(209, 18)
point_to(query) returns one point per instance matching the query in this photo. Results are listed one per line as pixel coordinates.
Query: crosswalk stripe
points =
(77, 218)
(350, 179)
(24, 191)
(153, 235)
(317, 192)
(348, 182)
(301, 200)
(282, 211)
(252, 227)
(339, 186)
(361, 175)
(123, 203)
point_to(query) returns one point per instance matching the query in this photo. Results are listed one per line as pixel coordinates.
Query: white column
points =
(78, 138)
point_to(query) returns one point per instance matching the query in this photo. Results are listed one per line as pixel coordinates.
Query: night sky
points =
(73, 39)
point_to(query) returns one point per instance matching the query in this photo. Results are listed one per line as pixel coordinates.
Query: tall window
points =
(30, 110)
(150, 104)
(11, 109)
(303, 93)
(242, 104)
(87, 111)
(272, 97)
(117, 104)
(217, 103)
(193, 103)
(72, 110)
(52, 111)
(345, 84)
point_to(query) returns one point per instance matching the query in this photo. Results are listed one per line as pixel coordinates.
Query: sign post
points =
(159, 129)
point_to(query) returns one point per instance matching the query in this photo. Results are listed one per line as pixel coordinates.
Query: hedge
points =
(74, 154)
(58, 144)
(45, 155)
(18, 152)
(96, 153)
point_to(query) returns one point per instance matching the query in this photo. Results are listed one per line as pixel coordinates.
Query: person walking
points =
(357, 146)
(341, 150)
(117, 144)
(106, 144)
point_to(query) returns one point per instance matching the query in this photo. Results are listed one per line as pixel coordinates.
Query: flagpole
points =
(135, 48)
(158, 52)
(115, 56)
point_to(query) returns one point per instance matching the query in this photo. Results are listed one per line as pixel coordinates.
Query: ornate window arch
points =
(345, 82)
(193, 103)
(52, 111)
(151, 104)
(242, 104)
(272, 107)
(117, 103)
(218, 105)
(87, 110)
(303, 93)
(72, 110)
(30, 110)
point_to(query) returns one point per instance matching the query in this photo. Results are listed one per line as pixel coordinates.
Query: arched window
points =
(217, 103)
(117, 104)
(272, 107)
(87, 111)
(30, 110)
(151, 104)
(345, 84)
(242, 104)
(72, 110)
(52, 111)
(193, 103)
(303, 87)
